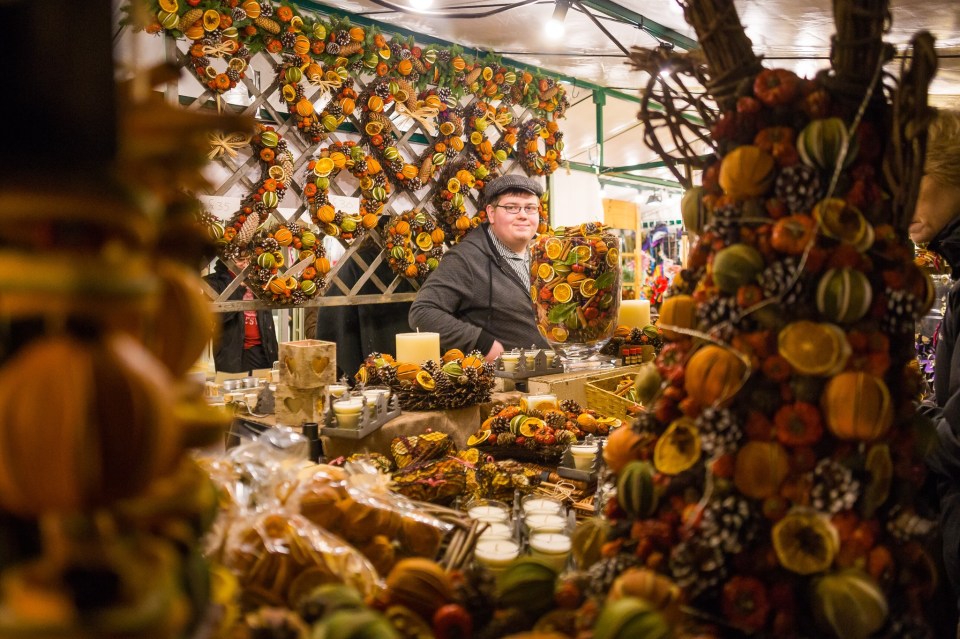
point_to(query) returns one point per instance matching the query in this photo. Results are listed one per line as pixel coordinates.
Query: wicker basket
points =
(600, 398)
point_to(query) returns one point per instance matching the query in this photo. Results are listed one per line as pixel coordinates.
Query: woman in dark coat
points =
(248, 339)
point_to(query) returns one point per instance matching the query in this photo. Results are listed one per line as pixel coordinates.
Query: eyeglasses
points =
(513, 209)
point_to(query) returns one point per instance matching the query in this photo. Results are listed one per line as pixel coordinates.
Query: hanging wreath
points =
(276, 164)
(528, 152)
(374, 190)
(414, 244)
(288, 264)
(214, 36)
(450, 201)
(384, 98)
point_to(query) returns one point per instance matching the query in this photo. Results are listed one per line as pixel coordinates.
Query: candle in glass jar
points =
(488, 513)
(583, 455)
(417, 348)
(634, 313)
(348, 412)
(497, 530)
(545, 522)
(553, 548)
(496, 554)
(510, 360)
(538, 402)
(533, 504)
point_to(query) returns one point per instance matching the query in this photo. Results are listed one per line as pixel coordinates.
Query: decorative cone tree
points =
(787, 457)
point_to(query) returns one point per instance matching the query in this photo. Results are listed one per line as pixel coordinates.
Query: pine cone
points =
(729, 523)
(799, 188)
(697, 566)
(187, 19)
(571, 406)
(603, 573)
(901, 313)
(720, 431)
(268, 25)
(834, 487)
(778, 280)
(245, 234)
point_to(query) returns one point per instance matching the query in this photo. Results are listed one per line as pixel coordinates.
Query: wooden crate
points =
(309, 363)
(573, 385)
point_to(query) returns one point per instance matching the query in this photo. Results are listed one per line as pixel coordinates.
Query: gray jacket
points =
(473, 298)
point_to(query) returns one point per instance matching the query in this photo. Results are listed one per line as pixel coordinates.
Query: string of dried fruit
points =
(528, 147)
(374, 190)
(298, 249)
(276, 164)
(414, 244)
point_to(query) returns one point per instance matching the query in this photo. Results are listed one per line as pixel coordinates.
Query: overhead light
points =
(554, 27)
(421, 5)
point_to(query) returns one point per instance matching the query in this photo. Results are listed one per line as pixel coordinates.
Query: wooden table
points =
(458, 423)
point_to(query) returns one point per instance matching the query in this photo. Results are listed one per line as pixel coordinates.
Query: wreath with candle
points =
(532, 132)
(374, 190)
(288, 264)
(414, 244)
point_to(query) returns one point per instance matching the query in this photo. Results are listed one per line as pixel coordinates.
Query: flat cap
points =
(511, 182)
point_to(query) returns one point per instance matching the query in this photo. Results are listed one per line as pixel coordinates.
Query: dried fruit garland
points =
(277, 277)
(374, 190)
(775, 448)
(414, 244)
(457, 382)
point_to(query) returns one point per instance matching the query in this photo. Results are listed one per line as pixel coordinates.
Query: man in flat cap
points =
(479, 296)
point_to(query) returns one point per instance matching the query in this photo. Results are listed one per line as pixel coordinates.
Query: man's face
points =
(937, 204)
(514, 219)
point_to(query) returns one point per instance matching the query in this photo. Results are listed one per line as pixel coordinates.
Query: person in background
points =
(479, 296)
(248, 339)
(936, 221)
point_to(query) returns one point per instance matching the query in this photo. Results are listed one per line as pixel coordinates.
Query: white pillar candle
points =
(348, 412)
(545, 522)
(417, 348)
(583, 455)
(634, 313)
(553, 548)
(538, 402)
(496, 554)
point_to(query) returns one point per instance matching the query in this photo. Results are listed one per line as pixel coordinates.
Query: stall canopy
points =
(603, 134)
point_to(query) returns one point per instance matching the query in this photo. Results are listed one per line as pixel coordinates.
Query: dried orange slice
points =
(805, 541)
(534, 293)
(678, 449)
(478, 438)
(453, 185)
(530, 426)
(554, 248)
(324, 166)
(583, 254)
(373, 128)
(424, 241)
(559, 334)
(277, 172)
(563, 293)
(814, 348)
(211, 19)
(613, 257)
(169, 5)
(574, 279)
(880, 466)
(545, 272)
(588, 287)
(425, 381)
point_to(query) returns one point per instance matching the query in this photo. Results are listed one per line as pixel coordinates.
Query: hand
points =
(495, 351)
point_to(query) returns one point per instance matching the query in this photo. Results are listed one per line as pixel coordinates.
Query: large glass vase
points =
(576, 289)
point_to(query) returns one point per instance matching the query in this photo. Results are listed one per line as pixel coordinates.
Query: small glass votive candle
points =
(530, 357)
(348, 412)
(552, 548)
(336, 390)
(510, 360)
(488, 510)
(539, 402)
(583, 455)
(372, 395)
(497, 530)
(496, 554)
(545, 522)
(532, 504)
